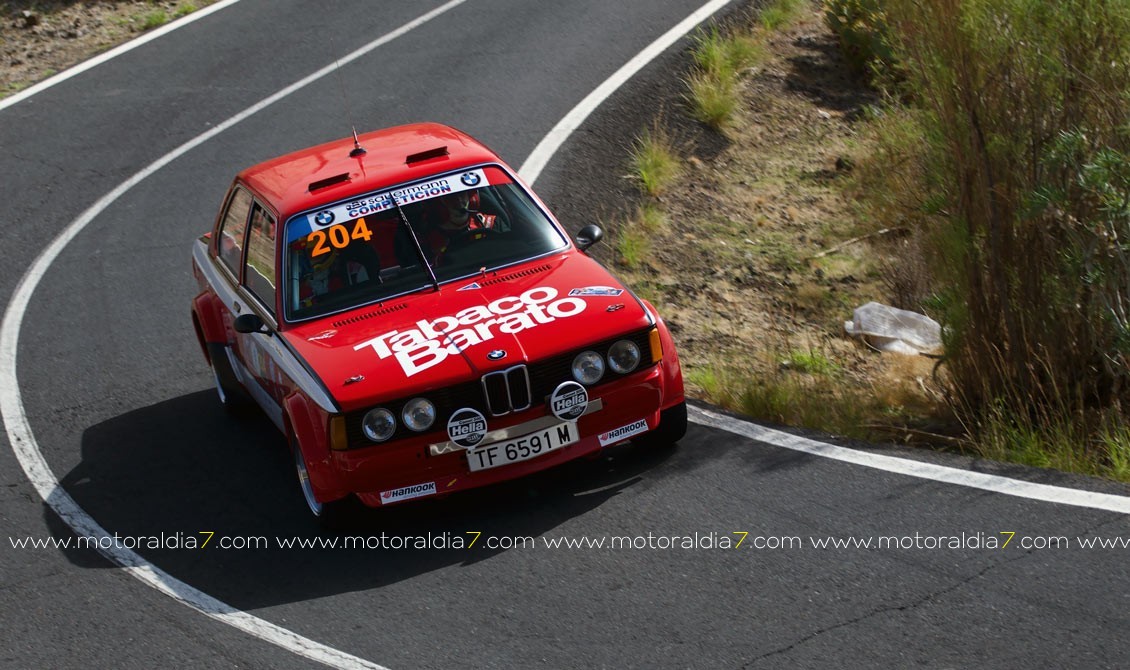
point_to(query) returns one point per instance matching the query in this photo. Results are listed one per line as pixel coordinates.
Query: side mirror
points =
(588, 236)
(249, 323)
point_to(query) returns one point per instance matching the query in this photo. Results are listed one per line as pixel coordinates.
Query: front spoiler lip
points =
(501, 434)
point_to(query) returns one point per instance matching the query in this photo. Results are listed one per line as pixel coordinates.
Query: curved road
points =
(122, 408)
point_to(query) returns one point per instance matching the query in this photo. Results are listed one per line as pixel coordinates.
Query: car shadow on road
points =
(161, 478)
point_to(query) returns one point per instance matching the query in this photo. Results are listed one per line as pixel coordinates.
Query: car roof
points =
(327, 173)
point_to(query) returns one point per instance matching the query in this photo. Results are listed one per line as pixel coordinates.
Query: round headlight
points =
(623, 357)
(419, 414)
(379, 424)
(588, 367)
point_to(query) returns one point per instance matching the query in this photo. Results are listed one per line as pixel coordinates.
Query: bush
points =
(720, 59)
(781, 13)
(1027, 141)
(654, 161)
(864, 35)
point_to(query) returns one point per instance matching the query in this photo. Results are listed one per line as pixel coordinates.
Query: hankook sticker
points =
(623, 432)
(408, 493)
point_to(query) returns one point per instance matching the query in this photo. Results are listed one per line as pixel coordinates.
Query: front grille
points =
(507, 390)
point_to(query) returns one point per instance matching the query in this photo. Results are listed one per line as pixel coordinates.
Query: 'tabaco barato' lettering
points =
(430, 342)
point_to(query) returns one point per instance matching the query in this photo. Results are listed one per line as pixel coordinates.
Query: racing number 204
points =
(338, 237)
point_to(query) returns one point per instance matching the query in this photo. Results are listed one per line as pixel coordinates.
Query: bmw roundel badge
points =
(324, 218)
(496, 355)
(470, 179)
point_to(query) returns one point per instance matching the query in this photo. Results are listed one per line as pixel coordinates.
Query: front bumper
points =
(432, 464)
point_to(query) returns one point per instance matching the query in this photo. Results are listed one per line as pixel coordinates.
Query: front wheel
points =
(332, 514)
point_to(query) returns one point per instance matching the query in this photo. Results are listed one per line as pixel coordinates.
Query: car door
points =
(261, 351)
(245, 249)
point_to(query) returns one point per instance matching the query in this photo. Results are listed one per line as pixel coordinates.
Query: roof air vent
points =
(438, 152)
(328, 181)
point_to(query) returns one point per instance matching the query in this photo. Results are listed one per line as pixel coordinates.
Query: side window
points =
(233, 228)
(260, 274)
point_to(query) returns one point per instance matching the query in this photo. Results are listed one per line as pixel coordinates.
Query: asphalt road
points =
(122, 408)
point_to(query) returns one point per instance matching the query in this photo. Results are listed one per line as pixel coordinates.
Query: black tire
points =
(334, 514)
(232, 395)
(672, 427)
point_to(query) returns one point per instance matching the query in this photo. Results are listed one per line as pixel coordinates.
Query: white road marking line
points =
(35, 465)
(539, 157)
(919, 469)
(113, 53)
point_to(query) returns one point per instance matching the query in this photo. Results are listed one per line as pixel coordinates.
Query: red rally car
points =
(417, 323)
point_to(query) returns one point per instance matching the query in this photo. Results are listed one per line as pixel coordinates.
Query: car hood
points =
(434, 339)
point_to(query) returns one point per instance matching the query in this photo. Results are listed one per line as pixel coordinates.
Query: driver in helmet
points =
(453, 220)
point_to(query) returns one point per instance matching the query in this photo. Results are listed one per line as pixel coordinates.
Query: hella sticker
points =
(408, 493)
(623, 432)
(590, 291)
(467, 427)
(569, 401)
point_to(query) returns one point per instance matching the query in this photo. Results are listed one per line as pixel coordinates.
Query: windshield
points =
(361, 250)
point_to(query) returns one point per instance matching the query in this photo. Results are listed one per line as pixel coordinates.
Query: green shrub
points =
(781, 13)
(654, 162)
(632, 246)
(1025, 172)
(154, 19)
(651, 218)
(811, 362)
(725, 56)
(863, 32)
(721, 59)
(713, 101)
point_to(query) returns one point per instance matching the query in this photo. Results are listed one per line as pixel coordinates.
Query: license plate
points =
(522, 448)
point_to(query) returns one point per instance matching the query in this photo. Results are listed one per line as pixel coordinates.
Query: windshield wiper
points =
(415, 240)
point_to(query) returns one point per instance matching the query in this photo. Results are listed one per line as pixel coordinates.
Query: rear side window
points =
(260, 274)
(233, 228)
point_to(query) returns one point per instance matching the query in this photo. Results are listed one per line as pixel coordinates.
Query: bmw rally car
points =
(416, 322)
